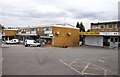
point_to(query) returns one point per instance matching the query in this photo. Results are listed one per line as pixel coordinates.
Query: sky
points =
(22, 13)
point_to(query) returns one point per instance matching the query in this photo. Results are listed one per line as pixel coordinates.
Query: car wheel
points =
(29, 45)
(26, 45)
(38, 45)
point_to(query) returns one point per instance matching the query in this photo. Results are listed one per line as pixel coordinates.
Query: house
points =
(9, 33)
(103, 34)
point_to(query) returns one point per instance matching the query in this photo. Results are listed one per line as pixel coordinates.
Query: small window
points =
(101, 26)
(47, 29)
(118, 25)
(110, 26)
(94, 26)
(33, 29)
(38, 29)
(115, 26)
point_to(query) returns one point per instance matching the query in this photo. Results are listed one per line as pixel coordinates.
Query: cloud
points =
(55, 11)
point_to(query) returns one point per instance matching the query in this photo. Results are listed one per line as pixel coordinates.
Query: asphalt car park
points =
(83, 60)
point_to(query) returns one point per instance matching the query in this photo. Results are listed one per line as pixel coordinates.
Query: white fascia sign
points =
(47, 32)
(110, 33)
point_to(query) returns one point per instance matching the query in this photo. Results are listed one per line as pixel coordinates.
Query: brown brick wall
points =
(40, 32)
(63, 39)
(10, 32)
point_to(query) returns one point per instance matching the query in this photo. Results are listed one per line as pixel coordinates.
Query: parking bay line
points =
(71, 67)
(96, 65)
(83, 71)
(73, 62)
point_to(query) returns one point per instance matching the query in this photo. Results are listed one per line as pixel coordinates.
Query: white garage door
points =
(94, 40)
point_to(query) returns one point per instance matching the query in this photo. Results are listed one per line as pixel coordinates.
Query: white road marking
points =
(71, 67)
(89, 74)
(96, 66)
(105, 72)
(83, 71)
(110, 59)
(101, 61)
(1, 59)
(73, 62)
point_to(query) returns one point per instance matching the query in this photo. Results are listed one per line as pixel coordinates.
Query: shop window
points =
(116, 39)
(112, 40)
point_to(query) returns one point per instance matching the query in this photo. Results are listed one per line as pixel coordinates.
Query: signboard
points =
(89, 33)
(110, 33)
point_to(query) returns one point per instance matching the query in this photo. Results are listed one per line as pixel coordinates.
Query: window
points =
(115, 25)
(94, 26)
(118, 25)
(48, 29)
(38, 29)
(110, 26)
(33, 29)
(101, 26)
(23, 30)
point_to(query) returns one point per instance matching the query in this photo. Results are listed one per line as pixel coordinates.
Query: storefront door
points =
(114, 41)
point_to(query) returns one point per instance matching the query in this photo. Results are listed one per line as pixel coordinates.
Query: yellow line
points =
(85, 69)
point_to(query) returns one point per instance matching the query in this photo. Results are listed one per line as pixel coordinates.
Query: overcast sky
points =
(37, 12)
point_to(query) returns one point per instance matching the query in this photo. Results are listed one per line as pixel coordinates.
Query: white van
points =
(31, 43)
(13, 41)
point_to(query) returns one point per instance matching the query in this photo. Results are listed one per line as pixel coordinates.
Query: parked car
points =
(13, 41)
(31, 43)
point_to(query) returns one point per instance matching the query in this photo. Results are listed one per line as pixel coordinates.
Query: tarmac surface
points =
(84, 60)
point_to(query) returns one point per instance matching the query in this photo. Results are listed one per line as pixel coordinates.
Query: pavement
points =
(20, 60)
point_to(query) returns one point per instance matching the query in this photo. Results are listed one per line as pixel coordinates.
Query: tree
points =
(82, 28)
(78, 25)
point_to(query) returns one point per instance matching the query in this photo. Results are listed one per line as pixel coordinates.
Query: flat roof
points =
(99, 23)
(10, 29)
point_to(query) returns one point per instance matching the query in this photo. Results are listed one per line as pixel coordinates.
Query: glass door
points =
(114, 41)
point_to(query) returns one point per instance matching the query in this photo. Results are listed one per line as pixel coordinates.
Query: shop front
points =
(111, 39)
